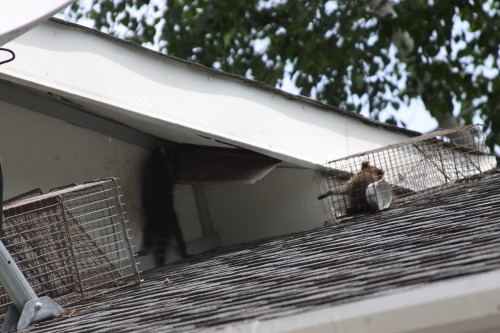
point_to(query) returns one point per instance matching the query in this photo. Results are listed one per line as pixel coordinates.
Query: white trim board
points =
(464, 305)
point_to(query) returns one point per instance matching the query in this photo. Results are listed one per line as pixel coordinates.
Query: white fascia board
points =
(155, 94)
(469, 304)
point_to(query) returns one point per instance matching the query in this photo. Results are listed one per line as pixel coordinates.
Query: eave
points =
(91, 75)
(470, 304)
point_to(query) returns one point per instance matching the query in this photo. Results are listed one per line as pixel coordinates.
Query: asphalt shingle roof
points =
(452, 234)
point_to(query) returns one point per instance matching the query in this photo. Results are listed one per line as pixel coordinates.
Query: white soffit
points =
(173, 99)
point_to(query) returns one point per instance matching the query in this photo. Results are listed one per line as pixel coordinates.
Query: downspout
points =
(27, 308)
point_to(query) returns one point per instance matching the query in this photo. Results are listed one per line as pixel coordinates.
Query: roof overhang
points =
(90, 79)
(469, 304)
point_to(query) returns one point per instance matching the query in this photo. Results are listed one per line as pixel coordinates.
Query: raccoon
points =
(355, 188)
(161, 221)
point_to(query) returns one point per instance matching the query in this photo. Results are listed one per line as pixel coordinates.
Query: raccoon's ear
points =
(365, 164)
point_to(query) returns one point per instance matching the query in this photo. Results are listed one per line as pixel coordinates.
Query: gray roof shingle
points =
(453, 234)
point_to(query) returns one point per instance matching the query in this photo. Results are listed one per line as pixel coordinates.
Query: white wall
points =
(41, 151)
(283, 202)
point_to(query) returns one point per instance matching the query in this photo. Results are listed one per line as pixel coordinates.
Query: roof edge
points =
(253, 83)
(467, 304)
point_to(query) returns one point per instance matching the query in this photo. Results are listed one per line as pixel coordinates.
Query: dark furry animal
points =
(355, 188)
(161, 222)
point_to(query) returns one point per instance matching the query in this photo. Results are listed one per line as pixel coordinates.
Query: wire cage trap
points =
(71, 244)
(412, 169)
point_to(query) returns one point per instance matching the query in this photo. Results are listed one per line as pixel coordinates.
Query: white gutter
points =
(469, 304)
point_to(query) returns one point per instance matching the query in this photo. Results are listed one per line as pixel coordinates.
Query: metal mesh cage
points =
(71, 244)
(415, 168)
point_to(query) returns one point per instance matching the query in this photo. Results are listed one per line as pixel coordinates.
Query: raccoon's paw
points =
(142, 252)
(323, 196)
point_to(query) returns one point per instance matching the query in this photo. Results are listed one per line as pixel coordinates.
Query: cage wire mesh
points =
(71, 244)
(405, 171)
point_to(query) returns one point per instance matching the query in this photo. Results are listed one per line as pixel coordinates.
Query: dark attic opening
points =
(216, 165)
